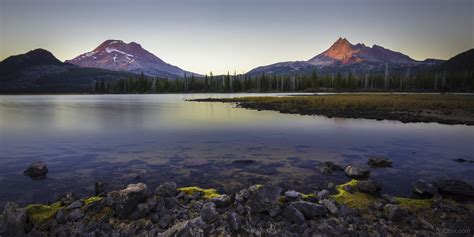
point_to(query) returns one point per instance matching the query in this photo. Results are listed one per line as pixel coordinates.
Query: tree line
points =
(427, 81)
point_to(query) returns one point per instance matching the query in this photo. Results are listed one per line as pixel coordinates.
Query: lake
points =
(122, 139)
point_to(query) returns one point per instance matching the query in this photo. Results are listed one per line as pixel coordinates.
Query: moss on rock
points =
(356, 200)
(40, 214)
(414, 204)
(92, 199)
(206, 193)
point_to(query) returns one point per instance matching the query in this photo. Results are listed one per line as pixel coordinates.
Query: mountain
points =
(343, 56)
(119, 56)
(38, 71)
(463, 62)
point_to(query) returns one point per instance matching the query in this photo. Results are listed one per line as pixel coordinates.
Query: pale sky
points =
(227, 35)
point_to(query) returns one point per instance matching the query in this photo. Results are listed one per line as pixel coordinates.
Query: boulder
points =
(323, 194)
(309, 209)
(263, 198)
(455, 187)
(330, 205)
(424, 187)
(209, 213)
(292, 214)
(37, 170)
(221, 200)
(369, 186)
(379, 161)
(167, 189)
(15, 219)
(124, 201)
(292, 195)
(242, 195)
(357, 172)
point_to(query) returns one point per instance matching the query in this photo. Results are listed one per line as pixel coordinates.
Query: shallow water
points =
(122, 139)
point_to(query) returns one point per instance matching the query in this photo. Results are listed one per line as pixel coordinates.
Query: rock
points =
(167, 189)
(293, 214)
(357, 172)
(330, 205)
(100, 188)
(14, 219)
(423, 187)
(165, 221)
(309, 209)
(61, 216)
(426, 225)
(369, 186)
(292, 195)
(455, 187)
(209, 213)
(75, 215)
(221, 200)
(274, 211)
(124, 201)
(37, 170)
(394, 212)
(67, 198)
(242, 195)
(234, 221)
(323, 194)
(76, 204)
(379, 161)
(189, 228)
(263, 198)
(140, 212)
(328, 167)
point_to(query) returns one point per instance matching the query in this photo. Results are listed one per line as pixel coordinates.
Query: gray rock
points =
(76, 204)
(274, 211)
(369, 186)
(242, 195)
(209, 213)
(221, 200)
(100, 188)
(292, 195)
(263, 198)
(14, 219)
(309, 209)
(61, 216)
(167, 189)
(357, 172)
(379, 161)
(125, 201)
(424, 187)
(140, 212)
(394, 212)
(330, 205)
(75, 215)
(189, 228)
(234, 221)
(323, 194)
(36, 170)
(292, 214)
(455, 187)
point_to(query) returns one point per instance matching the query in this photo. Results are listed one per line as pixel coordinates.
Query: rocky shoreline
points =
(356, 208)
(304, 105)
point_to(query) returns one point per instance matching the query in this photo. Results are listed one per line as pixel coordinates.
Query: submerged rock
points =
(328, 167)
(455, 187)
(379, 161)
(263, 198)
(37, 170)
(125, 201)
(357, 172)
(423, 187)
(369, 186)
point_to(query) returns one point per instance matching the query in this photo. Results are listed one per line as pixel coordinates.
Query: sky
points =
(236, 35)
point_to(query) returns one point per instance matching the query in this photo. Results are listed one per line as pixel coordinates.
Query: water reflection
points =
(156, 138)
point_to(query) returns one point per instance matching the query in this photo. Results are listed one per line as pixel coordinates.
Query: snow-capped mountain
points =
(343, 56)
(119, 56)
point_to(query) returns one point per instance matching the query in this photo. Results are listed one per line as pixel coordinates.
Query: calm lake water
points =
(121, 139)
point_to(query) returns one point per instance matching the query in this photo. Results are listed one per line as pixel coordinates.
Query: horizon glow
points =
(227, 35)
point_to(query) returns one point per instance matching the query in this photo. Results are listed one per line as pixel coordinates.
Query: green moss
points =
(92, 199)
(206, 193)
(308, 196)
(281, 199)
(414, 204)
(356, 200)
(40, 214)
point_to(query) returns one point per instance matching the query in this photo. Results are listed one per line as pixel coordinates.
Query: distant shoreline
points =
(450, 109)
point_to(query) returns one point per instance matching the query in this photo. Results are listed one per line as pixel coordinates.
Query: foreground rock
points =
(455, 187)
(423, 187)
(37, 170)
(260, 210)
(357, 172)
